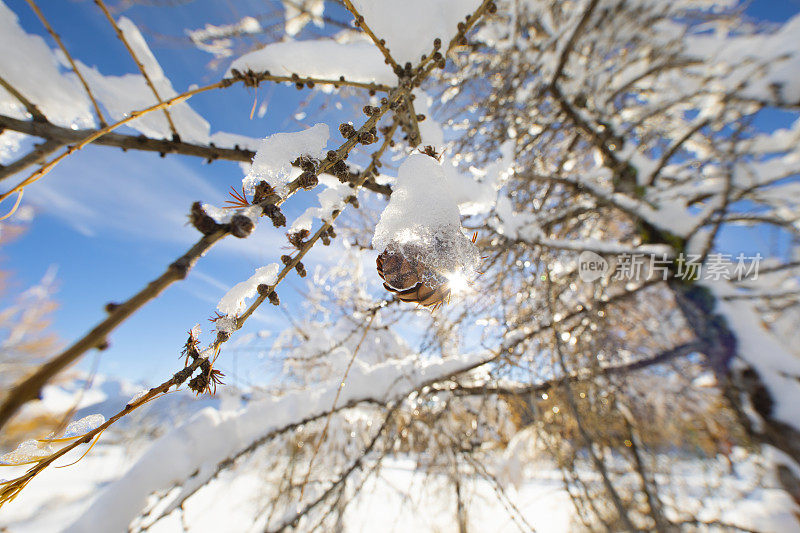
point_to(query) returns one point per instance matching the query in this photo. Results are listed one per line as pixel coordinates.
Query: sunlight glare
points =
(457, 282)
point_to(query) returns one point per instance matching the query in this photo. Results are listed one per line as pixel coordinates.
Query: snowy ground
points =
(397, 498)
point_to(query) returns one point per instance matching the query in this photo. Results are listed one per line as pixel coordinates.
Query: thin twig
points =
(139, 64)
(672, 150)
(573, 38)
(324, 433)
(415, 138)
(380, 43)
(29, 106)
(682, 350)
(30, 388)
(47, 167)
(15, 206)
(77, 72)
(327, 20)
(428, 64)
(38, 154)
(253, 78)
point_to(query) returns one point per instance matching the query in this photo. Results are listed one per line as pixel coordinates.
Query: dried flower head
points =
(241, 226)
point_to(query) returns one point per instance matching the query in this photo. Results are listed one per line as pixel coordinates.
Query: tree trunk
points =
(741, 386)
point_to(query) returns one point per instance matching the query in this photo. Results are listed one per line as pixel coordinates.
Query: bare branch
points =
(64, 136)
(29, 106)
(139, 64)
(578, 377)
(63, 48)
(379, 43)
(47, 167)
(562, 62)
(36, 156)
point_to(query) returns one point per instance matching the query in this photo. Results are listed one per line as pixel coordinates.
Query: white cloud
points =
(105, 193)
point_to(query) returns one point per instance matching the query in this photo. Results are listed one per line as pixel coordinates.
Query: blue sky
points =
(111, 221)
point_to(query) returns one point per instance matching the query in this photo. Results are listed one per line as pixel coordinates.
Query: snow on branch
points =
(220, 35)
(272, 162)
(233, 303)
(211, 437)
(128, 33)
(322, 58)
(33, 70)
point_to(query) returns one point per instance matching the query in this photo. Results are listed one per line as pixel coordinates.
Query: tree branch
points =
(30, 388)
(38, 154)
(29, 106)
(538, 388)
(64, 136)
(63, 48)
(562, 62)
(139, 64)
(379, 43)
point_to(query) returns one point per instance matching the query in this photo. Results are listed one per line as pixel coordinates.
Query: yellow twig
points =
(47, 167)
(16, 205)
(96, 438)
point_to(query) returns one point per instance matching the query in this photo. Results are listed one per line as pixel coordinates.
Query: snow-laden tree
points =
(596, 149)
(633, 125)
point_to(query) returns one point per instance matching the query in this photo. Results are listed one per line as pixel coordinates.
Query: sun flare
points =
(457, 282)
